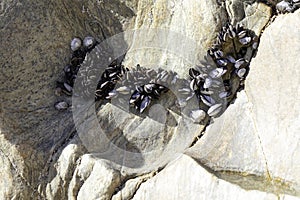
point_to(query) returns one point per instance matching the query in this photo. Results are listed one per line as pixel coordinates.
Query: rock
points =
(276, 123)
(185, 178)
(130, 187)
(257, 15)
(43, 155)
(65, 166)
(178, 30)
(257, 137)
(36, 37)
(139, 145)
(98, 180)
(251, 14)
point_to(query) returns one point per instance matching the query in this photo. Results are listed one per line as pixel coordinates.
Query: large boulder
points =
(258, 136)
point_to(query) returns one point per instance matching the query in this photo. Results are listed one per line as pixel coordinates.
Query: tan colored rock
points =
(93, 179)
(130, 187)
(181, 33)
(257, 15)
(64, 167)
(251, 14)
(258, 135)
(273, 89)
(186, 179)
(35, 37)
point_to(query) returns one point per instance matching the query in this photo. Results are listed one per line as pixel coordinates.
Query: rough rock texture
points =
(186, 179)
(195, 22)
(42, 156)
(258, 136)
(35, 40)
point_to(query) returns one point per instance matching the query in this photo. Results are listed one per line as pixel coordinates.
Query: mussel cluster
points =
(108, 81)
(214, 82)
(222, 73)
(139, 85)
(287, 6)
(79, 49)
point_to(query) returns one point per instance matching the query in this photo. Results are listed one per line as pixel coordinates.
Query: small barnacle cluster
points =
(287, 6)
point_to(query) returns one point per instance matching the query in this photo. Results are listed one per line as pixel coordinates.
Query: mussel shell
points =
(61, 105)
(89, 42)
(245, 40)
(241, 72)
(76, 44)
(134, 97)
(123, 90)
(207, 100)
(214, 110)
(145, 103)
(68, 87)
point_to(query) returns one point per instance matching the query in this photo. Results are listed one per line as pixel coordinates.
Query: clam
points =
(239, 63)
(148, 88)
(254, 45)
(68, 87)
(242, 34)
(112, 94)
(222, 62)
(225, 36)
(224, 94)
(193, 85)
(134, 97)
(230, 59)
(184, 91)
(217, 73)
(207, 83)
(193, 73)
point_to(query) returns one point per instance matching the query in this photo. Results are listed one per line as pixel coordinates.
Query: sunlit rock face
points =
(45, 155)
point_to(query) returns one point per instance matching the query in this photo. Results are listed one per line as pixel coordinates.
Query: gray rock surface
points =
(196, 32)
(42, 156)
(35, 37)
(264, 120)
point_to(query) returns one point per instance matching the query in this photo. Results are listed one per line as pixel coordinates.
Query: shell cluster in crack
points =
(79, 50)
(222, 73)
(106, 85)
(212, 84)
